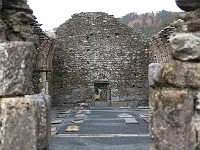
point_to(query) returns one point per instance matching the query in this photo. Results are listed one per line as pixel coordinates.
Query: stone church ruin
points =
(95, 57)
(94, 49)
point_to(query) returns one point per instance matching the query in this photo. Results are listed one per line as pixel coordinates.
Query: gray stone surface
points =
(18, 124)
(17, 60)
(171, 113)
(188, 5)
(43, 119)
(186, 47)
(25, 122)
(175, 74)
(153, 73)
(56, 121)
(130, 120)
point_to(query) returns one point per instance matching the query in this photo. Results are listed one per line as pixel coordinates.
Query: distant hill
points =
(150, 23)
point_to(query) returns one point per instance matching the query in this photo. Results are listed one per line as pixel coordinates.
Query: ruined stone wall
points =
(24, 115)
(43, 69)
(96, 47)
(160, 49)
(175, 88)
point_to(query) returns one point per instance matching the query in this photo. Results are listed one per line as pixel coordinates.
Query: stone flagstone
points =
(80, 115)
(61, 115)
(65, 112)
(124, 115)
(53, 129)
(56, 121)
(130, 120)
(78, 107)
(143, 107)
(73, 128)
(83, 111)
(146, 119)
(84, 104)
(144, 115)
(77, 121)
(54, 133)
(125, 107)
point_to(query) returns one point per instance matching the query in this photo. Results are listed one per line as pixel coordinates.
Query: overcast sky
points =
(52, 13)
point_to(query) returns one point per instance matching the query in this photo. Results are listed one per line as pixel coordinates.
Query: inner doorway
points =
(102, 93)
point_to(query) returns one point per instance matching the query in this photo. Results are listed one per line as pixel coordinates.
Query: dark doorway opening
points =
(102, 92)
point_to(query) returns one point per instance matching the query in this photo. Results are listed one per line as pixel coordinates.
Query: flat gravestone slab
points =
(77, 121)
(143, 107)
(84, 104)
(146, 119)
(131, 121)
(125, 107)
(78, 108)
(54, 133)
(56, 121)
(144, 115)
(124, 115)
(80, 115)
(53, 129)
(63, 110)
(83, 111)
(61, 115)
(72, 128)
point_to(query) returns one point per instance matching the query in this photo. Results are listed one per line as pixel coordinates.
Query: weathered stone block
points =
(18, 124)
(17, 60)
(171, 113)
(186, 46)
(175, 74)
(25, 122)
(154, 68)
(43, 119)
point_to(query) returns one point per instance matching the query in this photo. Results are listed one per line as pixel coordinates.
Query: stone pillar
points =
(175, 93)
(24, 117)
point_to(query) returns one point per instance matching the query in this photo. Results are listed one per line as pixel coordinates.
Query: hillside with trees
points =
(150, 23)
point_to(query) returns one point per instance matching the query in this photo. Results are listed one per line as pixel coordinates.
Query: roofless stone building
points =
(96, 54)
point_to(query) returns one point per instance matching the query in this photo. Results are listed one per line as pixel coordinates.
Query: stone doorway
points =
(102, 93)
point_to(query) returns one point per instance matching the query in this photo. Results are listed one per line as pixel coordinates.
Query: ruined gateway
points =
(95, 51)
